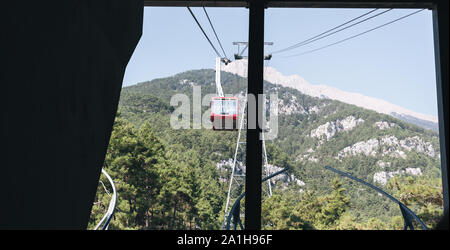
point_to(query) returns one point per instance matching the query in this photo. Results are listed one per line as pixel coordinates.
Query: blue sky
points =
(394, 63)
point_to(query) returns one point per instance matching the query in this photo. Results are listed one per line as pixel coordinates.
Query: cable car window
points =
(224, 106)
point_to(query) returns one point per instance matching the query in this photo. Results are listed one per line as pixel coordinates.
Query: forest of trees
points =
(158, 188)
(169, 179)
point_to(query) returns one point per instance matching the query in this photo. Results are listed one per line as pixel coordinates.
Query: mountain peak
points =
(271, 75)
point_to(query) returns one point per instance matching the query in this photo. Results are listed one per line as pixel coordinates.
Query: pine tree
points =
(133, 160)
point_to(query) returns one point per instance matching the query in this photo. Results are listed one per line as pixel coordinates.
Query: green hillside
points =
(170, 179)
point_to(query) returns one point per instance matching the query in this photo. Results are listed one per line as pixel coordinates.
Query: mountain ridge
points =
(313, 132)
(323, 91)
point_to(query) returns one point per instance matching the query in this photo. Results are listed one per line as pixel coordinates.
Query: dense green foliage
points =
(158, 188)
(169, 179)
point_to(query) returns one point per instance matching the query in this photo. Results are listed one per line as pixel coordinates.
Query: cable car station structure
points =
(63, 64)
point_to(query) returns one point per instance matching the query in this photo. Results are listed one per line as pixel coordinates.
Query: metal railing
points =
(408, 215)
(112, 205)
(236, 209)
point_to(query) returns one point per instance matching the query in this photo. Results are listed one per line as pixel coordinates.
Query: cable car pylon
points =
(236, 179)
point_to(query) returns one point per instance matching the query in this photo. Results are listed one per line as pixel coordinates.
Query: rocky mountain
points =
(271, 75)
(313, 131)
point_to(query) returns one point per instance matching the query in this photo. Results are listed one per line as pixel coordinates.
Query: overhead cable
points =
(214, 48)
(217, 37)
(357, 35)
(322, 35)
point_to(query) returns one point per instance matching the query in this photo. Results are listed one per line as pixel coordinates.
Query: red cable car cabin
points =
(224, 113)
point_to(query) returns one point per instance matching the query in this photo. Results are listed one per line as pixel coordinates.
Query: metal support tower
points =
(237, 177)
(236, 181)
(239, 56)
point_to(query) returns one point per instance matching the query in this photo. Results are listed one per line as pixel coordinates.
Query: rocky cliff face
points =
(389, 145)
(383, 176)
(329, 129)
